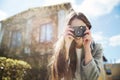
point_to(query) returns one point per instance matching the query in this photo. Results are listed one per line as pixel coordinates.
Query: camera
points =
(79, 31)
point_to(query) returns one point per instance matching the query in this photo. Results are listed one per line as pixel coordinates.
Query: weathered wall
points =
(27, 27)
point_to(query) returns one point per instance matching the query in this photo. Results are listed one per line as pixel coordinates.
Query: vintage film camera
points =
(79, 31)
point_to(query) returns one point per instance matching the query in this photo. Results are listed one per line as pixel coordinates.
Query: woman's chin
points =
(79, 43)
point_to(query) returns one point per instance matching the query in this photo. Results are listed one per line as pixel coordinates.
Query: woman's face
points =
(78, 22)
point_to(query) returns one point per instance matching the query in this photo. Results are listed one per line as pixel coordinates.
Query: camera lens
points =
(79, 31)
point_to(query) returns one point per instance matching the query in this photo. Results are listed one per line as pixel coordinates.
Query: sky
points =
(104, 16)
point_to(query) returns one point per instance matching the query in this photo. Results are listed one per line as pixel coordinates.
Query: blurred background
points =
(29, 28)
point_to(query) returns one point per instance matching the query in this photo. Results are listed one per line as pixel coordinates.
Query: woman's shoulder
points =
(95, 45)
(98, 45)
(97, 48)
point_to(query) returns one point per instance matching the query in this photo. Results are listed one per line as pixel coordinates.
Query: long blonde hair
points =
(64, 59)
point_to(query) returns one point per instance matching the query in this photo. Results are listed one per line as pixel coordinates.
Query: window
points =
(16, 39)
(46, 32)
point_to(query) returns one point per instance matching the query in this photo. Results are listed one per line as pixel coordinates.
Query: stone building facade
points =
(30, 36)
(34, 30)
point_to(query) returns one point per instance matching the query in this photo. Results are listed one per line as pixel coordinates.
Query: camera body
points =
(79, 31)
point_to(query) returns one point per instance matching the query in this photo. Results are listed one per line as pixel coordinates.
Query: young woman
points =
(76, 58)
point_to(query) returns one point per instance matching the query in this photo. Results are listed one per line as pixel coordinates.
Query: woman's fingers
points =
(87, 38)
(70, 29)
(87, 32)
(69, 33)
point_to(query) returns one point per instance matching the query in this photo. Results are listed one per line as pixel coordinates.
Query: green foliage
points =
(12, 69)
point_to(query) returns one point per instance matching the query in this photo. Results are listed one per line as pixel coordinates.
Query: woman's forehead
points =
(77, 22)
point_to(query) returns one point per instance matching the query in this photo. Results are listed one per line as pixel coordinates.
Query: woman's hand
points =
(68, 34)
(87, 39)
(68, 37)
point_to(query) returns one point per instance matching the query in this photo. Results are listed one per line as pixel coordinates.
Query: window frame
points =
(46, 29)
(14, 36)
